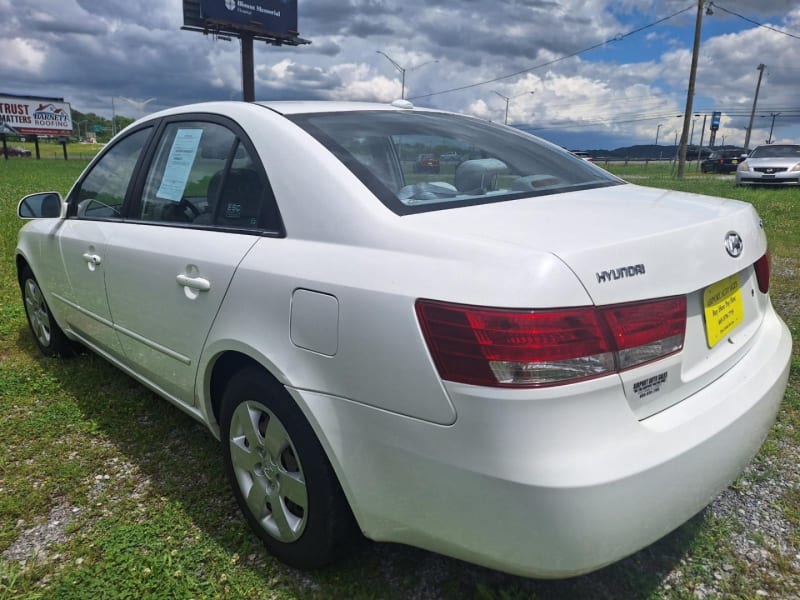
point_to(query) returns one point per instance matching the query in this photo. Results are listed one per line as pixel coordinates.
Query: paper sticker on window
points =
(179, 164)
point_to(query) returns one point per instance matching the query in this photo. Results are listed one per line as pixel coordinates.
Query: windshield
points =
(777, 151)
(418, 161)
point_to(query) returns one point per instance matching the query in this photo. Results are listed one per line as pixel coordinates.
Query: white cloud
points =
(87, 52)
(22, 56)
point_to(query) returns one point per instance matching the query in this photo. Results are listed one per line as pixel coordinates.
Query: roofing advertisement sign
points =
(33, 116)
(263, 16)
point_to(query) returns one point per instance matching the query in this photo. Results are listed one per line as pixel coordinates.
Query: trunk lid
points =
(628, 243)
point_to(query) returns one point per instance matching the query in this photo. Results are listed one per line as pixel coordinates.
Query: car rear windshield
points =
(476, 162)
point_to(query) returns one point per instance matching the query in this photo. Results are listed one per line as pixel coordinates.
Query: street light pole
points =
(702, 137)
(399, 68)
(113, 118)
(508, 99)
(771, 127)
(403, 71)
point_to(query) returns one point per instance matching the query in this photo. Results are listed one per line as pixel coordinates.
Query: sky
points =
(628, 86)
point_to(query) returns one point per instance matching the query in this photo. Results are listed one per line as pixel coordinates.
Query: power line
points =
(627, 118)
(735, 14)
(616, 38)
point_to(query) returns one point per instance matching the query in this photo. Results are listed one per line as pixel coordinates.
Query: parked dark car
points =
(427, 163)
(15, 151)
(723, 161)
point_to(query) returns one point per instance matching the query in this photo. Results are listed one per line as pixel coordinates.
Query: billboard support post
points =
(248, 68)
(270, 21)
(36, 146)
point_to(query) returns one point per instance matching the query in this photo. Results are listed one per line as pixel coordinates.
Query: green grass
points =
(148, 512)
(50, 149)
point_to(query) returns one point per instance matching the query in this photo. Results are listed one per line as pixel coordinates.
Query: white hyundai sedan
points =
(520, 361)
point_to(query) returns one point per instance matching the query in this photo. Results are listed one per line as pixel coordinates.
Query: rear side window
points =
(202, 174)
(418, 161)
(102, 192)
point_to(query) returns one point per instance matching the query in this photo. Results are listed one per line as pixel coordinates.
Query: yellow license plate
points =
(723, 307)
(734, 162)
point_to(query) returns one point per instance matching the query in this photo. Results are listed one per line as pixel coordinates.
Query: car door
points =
(199, 209)
(95, 209)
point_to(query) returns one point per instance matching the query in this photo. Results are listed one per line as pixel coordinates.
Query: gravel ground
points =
(764, 540)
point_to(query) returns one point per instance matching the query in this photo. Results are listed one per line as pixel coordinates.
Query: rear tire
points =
(279, 473)
(48, 336)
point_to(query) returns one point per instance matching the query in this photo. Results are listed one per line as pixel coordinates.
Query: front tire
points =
(279, 473)
(49, 337)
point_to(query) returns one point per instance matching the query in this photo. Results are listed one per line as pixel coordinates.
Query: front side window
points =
(418, 161)
(102, 192)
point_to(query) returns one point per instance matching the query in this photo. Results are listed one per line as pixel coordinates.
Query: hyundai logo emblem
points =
(734, 244)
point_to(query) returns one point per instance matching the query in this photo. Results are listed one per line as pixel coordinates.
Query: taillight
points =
(645, 331)
(763, 266)
(532, 348)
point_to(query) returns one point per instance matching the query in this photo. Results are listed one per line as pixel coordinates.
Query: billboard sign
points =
(277, 17)
(35, 116)
(715, 116)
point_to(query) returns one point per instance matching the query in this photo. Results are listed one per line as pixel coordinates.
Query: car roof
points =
(288, 107)
(321, 106)
(293, 107)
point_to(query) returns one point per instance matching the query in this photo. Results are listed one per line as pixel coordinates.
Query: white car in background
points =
(523, 361)
(771, 164)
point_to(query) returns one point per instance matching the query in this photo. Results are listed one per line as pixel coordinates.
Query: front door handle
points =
(196, 283)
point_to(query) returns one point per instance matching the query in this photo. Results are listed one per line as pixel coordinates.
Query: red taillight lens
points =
(645, 331)
(763, 266)
(486, 346)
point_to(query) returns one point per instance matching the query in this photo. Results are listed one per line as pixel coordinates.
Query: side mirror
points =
(46, 205)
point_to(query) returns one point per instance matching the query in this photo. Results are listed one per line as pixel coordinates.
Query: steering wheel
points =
(184, 204)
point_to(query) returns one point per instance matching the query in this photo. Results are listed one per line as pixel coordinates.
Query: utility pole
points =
(687, 114)
(658, 129)
(760, 68)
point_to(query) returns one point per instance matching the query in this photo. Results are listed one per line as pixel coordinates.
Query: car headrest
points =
(477, 175)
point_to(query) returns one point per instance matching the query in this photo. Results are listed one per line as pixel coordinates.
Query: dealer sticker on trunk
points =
(723, 307)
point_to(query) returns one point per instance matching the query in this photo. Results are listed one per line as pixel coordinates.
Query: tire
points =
(48, 336)
(280, 476)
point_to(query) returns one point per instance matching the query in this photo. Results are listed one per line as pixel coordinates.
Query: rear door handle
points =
(196, 283)
(92, 258)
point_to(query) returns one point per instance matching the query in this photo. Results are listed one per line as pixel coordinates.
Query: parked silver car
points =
(771, 164)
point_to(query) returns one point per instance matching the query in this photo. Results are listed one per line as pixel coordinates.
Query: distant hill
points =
(650, 151)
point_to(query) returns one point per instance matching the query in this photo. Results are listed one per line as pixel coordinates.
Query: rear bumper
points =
(546, 485)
